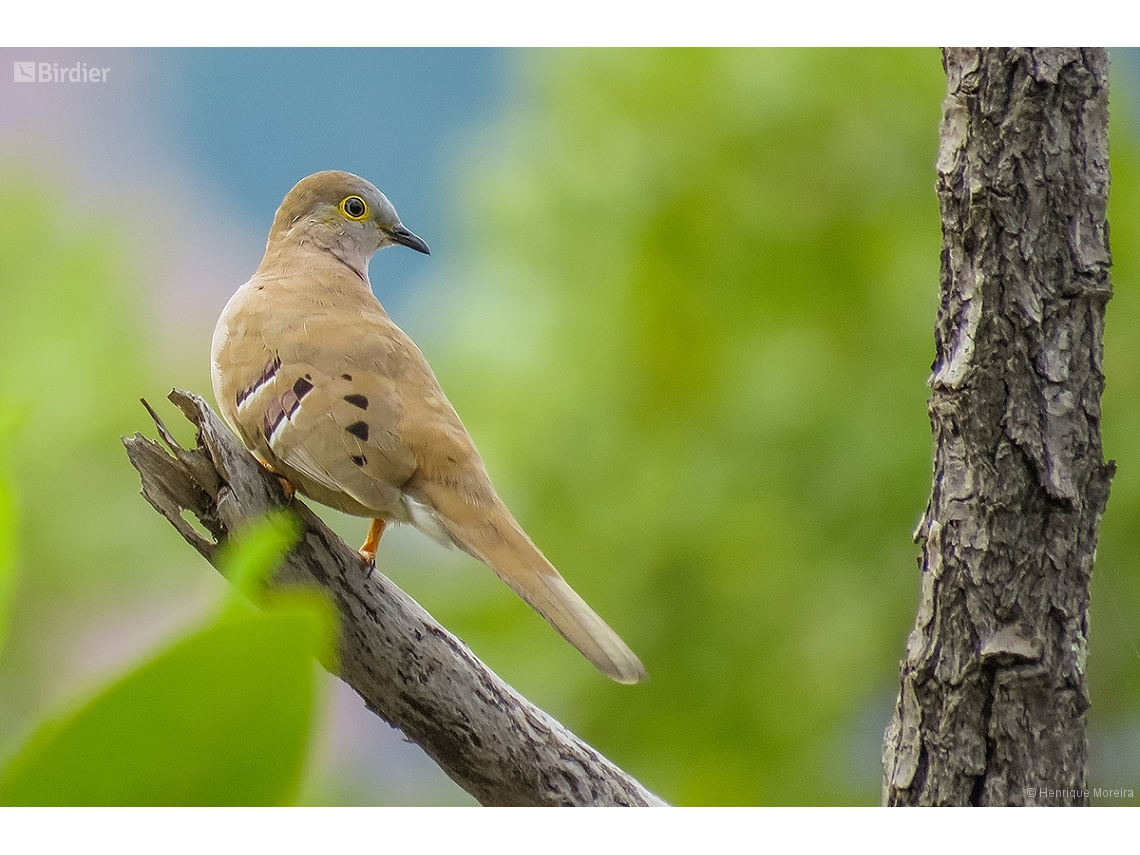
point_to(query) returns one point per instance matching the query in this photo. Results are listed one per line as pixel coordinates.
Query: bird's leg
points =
(368, 551)
(286, 485)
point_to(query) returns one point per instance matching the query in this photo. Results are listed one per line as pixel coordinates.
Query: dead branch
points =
(410, 671)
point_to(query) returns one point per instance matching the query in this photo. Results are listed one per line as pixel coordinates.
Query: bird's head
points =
(344, 214)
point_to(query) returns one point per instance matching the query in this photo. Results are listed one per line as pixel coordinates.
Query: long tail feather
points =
(501, 544)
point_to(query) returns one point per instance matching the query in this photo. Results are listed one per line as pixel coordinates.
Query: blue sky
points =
(229, 131)
(256, 121)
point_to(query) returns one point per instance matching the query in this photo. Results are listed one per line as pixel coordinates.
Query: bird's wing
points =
(345, 405)
(334, 426)
(315, 397)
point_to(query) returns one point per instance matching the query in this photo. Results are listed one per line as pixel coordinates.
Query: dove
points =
(331, 395)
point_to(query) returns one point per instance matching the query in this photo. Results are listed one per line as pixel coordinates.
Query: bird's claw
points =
(369, 559)
(286, 487)
(371, 544)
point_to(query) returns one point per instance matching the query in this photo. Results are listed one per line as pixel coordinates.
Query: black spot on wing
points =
(359, 430)
(357, 401)
(359, 460)
(302, 387)
(267, 374)
(347, 377)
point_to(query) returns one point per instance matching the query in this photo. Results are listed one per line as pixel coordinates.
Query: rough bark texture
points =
(992, 709)
(410, 671)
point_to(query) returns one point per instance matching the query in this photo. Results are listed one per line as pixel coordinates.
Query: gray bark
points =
(992, 707)
(410, 671)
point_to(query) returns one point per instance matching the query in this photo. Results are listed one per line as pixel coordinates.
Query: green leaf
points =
(221, 718)
(251, 558)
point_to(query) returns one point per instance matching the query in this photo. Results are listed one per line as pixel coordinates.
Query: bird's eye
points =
(354, 208)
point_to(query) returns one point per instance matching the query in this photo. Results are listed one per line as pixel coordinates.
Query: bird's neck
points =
(303, 254)
(310, 279)
(308, 238)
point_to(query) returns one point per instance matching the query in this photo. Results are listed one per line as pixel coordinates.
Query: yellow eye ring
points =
(354, 208)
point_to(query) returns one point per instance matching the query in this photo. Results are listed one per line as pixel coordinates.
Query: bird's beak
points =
(401, 235)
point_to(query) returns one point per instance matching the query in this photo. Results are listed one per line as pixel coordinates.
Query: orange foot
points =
(286, 485)
(368, 550)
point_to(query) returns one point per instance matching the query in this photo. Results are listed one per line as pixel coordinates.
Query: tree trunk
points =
(992, 708)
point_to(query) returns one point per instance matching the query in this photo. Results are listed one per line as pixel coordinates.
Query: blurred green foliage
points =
(706, 306)
(220, 718)
(77, 354)
(695, 356)
(1114, 635)
(7, 523)
(73, 343)
(693, 349)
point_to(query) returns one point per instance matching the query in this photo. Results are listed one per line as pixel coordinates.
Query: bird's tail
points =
(502, 545)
